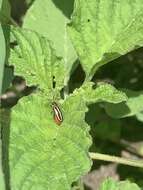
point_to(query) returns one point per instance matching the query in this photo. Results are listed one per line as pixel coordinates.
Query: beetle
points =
(58, 118)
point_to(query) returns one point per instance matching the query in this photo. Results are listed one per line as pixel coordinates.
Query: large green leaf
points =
(48, 156)
(103, 30)
(102, 92)
(44, 155)
(110, 184)
(50, 18)
(131, 107)
(35, 59)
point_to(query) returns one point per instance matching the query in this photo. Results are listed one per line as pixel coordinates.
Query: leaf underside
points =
(131, 107)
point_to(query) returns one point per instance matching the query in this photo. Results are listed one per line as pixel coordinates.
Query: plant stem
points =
(119, 160)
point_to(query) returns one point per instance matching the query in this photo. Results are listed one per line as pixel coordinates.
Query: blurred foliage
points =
(110, 184)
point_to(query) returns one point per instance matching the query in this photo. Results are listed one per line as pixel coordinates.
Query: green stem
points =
(119, 160)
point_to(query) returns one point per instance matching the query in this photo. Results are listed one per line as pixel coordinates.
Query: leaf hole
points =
(54, 82)
(13, 44)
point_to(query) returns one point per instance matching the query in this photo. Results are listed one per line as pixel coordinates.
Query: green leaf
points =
(139, 116)
(2, 61)
(133, 106)
(2, 50)
(110, 184)
(7, 78)
(50, 18)
(43, 155)
(62, 150)
(104, 30)
(35, 59)
(102, 92)
(48, 156)
(1, 1)
(2, 56)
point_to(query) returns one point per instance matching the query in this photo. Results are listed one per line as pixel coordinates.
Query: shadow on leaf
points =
(65, 6)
